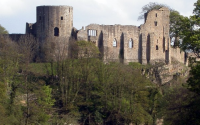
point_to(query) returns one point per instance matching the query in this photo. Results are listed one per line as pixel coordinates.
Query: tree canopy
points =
(3, 30)
(191, 31)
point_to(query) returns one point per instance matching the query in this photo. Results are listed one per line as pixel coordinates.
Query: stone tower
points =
(54, 21)
(53, 28)
(155, 36)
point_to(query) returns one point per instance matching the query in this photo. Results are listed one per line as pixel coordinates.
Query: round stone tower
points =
(54, 21)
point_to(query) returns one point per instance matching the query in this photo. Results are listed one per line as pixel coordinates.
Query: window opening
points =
(56, 31)
(61, 17)
(130, 43)
(40, 17)
(156, 47)
(114, 43)
(92, 33)
(156, 14)
(95, 33)
(156, 23)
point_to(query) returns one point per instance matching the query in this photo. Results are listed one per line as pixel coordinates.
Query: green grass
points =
(42, 68)
(136, 65)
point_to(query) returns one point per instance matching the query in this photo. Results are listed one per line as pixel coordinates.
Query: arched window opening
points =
(156, 23)
(115, 43)
(61, 17)
(156, 47)
(56, 31)
(130, 43)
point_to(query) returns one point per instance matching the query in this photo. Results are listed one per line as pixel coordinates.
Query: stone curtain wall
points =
(148, 43)
(105, 36)
(178, 55)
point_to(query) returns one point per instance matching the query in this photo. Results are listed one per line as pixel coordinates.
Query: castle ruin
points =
(148, 43)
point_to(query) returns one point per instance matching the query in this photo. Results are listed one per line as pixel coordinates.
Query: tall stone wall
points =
(31, 28)
(105, 36)
(178, 55)
(148, 43)
(132, 53)
(14, 37)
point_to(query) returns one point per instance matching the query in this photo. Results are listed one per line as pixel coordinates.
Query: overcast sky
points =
(15, 13)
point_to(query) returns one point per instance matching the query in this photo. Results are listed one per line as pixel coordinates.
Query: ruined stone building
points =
(148, 43)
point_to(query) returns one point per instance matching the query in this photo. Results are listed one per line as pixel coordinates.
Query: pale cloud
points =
(15, 13)
(10, 7)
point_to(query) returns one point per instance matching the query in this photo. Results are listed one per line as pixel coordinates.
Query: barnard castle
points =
(148, 43)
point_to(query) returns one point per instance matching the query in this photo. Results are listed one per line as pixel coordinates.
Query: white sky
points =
(15, 13)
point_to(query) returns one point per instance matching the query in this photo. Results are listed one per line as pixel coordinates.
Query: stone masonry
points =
(148, 43)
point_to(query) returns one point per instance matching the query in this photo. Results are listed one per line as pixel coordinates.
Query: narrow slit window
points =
(61, 18)
(88, 32)
(56, 31)
(130, 44)
(156, 14)
(156, 47)
(95, 33)
(114, 43)
(156, 23)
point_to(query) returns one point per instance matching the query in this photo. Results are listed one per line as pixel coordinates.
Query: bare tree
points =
(55, 49)
(28, 48)
(151, 6)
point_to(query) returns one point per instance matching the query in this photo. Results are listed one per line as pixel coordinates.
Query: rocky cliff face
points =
(161, 73)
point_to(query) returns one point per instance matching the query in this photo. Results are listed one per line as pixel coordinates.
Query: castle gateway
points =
(148, 43)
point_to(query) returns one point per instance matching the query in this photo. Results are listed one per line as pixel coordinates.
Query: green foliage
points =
(190, 31)
(196, 10)
(3, 30)
(172, 105)
(180, 104)
(87, 49)
(178, 24)
(2, 103)
(43, 68)
(104, 92)
(190, 36)
(47, 96)
(136, 65)
(80, 89)
(194, 80)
